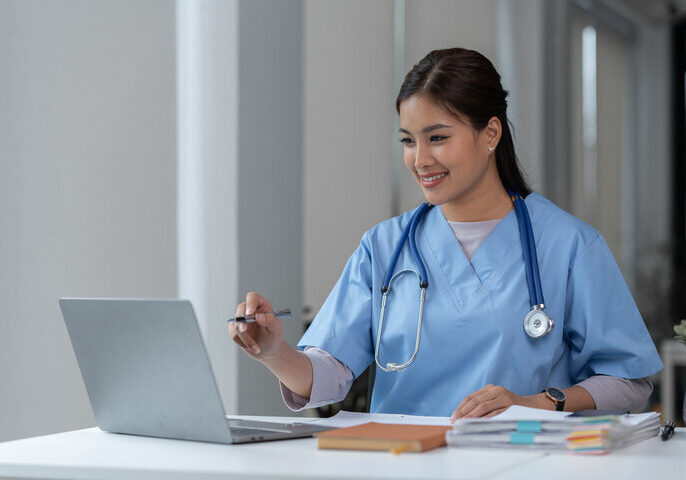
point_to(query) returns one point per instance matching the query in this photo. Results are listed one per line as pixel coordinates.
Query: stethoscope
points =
(536, 323)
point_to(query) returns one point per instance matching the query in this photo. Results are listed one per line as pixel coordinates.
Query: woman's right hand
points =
(263, 338)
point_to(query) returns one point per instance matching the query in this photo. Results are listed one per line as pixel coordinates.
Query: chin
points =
(434, 199)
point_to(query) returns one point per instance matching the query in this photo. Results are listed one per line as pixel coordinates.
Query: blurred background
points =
(204, 149)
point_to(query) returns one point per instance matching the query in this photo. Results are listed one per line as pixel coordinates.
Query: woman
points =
(475, 357)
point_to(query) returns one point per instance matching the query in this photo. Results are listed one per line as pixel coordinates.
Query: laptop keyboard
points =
(254, 430)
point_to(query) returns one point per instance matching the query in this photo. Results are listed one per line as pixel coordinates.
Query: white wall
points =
(349, 110)
(520, 60)
(240, 195)
(270, 171)
(207, 45)
(87, 186)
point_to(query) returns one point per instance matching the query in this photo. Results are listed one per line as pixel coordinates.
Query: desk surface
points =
(94, 454)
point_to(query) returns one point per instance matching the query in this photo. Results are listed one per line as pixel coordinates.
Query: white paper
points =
(350, 419)
(519, 413)
(639, 418)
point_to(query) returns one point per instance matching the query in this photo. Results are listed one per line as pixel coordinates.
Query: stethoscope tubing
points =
(423, 277)
(534, 259)
(533, 277)
(532, 322)
(409, 233)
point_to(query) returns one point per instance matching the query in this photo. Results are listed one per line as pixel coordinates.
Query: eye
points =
(406, 141)
(437, 138)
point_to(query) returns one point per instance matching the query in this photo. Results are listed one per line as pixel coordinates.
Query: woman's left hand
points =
(494, 399)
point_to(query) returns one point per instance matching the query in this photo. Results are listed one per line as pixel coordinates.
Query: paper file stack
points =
(609, 433)
(532, 428)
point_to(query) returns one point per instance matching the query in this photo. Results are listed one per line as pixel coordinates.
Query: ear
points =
(492, 132)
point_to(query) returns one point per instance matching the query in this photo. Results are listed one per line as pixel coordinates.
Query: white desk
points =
(94, 454)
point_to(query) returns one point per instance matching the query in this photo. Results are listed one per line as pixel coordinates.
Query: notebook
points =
(393, 437)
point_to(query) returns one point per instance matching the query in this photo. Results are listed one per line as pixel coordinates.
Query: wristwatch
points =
(557, 396)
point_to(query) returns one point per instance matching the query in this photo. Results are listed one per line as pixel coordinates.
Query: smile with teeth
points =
(435, 177)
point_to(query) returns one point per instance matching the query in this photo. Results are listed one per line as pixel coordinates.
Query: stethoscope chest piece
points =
(537, 323)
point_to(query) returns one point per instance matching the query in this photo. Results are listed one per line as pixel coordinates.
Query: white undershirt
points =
(471, 234)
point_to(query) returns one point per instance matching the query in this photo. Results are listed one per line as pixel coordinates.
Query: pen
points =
(667, 430)
(251, 318)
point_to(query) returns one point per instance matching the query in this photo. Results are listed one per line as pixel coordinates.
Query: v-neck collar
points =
(466, 278)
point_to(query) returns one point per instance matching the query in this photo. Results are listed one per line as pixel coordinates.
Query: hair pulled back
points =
(465, 83)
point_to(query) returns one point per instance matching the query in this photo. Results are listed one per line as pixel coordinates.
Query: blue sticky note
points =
(522, 438)
(529, 426)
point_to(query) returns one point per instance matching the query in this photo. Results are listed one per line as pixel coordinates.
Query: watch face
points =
(557, 394)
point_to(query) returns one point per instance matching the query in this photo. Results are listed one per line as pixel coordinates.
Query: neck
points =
(487, 202)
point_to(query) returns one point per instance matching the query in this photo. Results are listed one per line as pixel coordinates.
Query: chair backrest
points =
(370, 385)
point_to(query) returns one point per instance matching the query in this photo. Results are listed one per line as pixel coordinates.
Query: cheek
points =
(458, 155)
(408, 158)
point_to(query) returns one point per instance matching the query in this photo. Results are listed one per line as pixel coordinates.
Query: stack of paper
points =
(602, 434)
(529, 427)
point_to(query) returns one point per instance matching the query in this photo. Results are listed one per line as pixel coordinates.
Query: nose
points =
(423, 157)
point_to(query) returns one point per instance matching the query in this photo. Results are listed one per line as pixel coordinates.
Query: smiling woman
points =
(453, 116)
(454, 166)
(488, 251)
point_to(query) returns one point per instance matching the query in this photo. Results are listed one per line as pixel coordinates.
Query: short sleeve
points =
(602, 323)
(342, 326)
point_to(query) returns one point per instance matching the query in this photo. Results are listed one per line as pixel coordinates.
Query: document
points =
(350, 419)
(527, 427)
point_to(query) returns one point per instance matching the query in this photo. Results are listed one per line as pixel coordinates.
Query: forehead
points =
(418, 111)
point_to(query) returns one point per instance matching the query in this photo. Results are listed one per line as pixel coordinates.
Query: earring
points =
(490, 149)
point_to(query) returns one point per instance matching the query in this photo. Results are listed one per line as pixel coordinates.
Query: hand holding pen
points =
(251, 318)
(257, 328)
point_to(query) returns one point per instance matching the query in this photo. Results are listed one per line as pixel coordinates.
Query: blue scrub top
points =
(472, 332)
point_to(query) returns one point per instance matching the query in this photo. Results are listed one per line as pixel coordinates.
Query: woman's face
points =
(448, 158)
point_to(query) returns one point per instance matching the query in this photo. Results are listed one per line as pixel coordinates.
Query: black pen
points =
(667, 430)
(251, 318)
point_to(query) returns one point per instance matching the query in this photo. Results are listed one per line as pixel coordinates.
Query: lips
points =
(432, 179)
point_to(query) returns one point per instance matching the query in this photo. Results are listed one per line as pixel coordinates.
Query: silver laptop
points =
(147, 372)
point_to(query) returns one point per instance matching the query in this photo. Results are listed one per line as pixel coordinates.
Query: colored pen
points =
(668, 430)
(251, 318)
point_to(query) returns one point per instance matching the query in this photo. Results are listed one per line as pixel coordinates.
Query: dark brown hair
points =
(465, 83)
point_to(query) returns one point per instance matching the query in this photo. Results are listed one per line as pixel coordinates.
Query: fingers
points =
(256, 303)
(471, 401)
(269, 321)
(496, 412)
(238, 331)
(243, 339)
(242, 335)
(488, 401)
(240, 310)
(487, 407)
(250, 336)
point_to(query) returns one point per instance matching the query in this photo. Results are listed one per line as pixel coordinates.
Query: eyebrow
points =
(428, 129)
